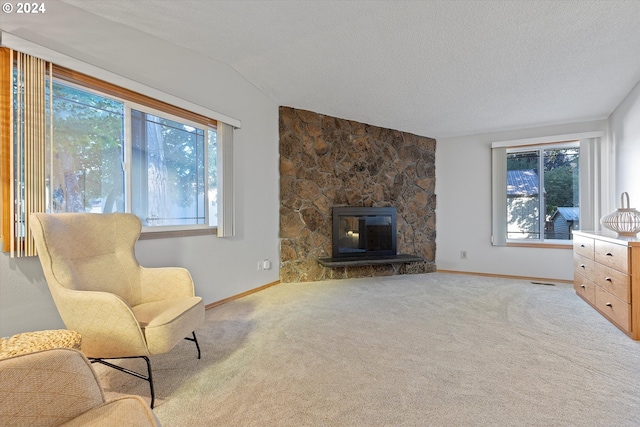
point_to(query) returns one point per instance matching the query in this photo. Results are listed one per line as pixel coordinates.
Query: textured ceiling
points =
(435, 68)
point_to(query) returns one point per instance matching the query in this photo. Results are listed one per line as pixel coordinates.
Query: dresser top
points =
(609, 236)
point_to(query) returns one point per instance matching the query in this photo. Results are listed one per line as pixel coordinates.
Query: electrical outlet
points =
(463, 254)
(266, 264)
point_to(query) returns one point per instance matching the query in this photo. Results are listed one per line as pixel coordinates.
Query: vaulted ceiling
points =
(436, 68)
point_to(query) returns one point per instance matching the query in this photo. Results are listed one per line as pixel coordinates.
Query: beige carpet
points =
(417, 350)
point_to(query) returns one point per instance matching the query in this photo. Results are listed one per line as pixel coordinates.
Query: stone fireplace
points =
(328, 162)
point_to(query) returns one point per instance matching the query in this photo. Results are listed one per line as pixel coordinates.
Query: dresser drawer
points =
(583, 265)
(613, 281)
(583, 246)
(612, 255)
(585, 288)
(614, 308)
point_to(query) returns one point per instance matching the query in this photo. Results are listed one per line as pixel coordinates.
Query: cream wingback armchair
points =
(120, 308)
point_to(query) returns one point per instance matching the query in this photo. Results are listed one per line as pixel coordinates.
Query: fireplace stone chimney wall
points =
(327, 161)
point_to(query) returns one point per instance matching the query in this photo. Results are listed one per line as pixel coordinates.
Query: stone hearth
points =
(327, 161)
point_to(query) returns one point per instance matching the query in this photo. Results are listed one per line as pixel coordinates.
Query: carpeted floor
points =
(416, 350)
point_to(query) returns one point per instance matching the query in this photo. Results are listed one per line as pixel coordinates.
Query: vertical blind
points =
(25, 142)
(226, 204)
(6, 85)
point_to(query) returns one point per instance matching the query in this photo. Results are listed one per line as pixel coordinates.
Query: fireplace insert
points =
(364, 233)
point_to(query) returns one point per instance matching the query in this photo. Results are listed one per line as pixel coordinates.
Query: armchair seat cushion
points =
(167, 322)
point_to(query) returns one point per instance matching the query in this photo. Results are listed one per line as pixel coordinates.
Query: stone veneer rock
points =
(326, 162)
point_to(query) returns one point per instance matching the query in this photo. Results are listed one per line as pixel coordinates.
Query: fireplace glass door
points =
(364, 234)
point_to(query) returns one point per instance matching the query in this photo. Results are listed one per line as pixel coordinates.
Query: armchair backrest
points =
(90, 252)
(47, 388)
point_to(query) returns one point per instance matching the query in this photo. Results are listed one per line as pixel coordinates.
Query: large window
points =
(74, 143)
(111, 155)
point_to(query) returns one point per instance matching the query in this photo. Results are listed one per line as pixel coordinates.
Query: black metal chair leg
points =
(153, 392)
(195, 340)
(148, 378)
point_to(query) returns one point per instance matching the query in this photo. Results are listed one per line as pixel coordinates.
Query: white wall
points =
(221, 267)
(463, 215)
(625, 134)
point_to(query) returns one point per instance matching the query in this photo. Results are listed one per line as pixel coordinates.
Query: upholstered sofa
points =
(58, 387)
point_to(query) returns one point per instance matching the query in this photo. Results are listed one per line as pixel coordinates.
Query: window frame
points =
(226, 125)
(128, 154)
(80, 67)
(589, 172)
(540, 149)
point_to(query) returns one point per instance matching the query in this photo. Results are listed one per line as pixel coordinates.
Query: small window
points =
(543, 199)
(85, 171)
(536, 193)
(167, 171)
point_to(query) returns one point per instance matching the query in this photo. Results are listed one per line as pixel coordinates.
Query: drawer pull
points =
(608, 254)
(583, 286)
(582, 266)
(608, 279)
(609, 304)
(582, 245)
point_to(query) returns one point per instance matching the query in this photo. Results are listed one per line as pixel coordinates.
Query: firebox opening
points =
(364, 232)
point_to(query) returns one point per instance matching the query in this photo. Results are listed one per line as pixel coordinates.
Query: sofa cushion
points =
(125, 411)
(46, 388)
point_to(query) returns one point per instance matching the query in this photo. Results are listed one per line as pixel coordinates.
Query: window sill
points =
(541, 245)
(148, 235)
